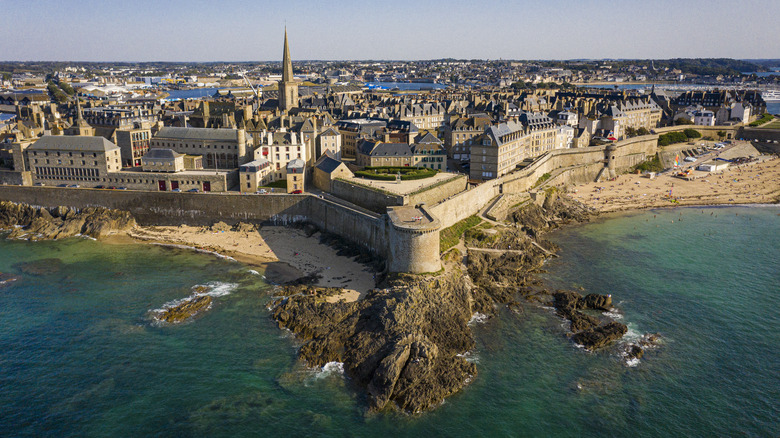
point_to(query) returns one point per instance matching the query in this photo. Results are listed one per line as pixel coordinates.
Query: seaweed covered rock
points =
(185, 310)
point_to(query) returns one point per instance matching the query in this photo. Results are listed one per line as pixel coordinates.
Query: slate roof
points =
(73, 143)
(296, 164)
(162, 154)
(327, 164)
(221, 134)
(427, 138)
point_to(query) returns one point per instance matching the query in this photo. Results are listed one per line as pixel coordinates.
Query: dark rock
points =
(581, 321)
(220, 226)
(310, 229)
(598, 302)
(187, 309)
(40, 267)
(634, 352)
(401, 343)
(600, 336)
(243, 227)
(38, 223)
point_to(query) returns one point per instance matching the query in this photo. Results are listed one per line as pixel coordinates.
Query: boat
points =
(771, 95)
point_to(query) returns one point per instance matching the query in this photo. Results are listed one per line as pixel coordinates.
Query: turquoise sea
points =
(80, 355)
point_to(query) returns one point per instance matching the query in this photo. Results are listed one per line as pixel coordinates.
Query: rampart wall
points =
(365, 197)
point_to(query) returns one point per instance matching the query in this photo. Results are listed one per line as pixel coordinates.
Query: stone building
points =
(162, 160)
(326, 169)
(220, 148)
(374, 153)
(428, 152)
(329, 141)
(280, 148)
(72, 159)
(501, 148)
(459, 131)
(253, 175)
(296, 176)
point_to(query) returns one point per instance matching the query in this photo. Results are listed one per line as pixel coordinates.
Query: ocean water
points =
(81, 356)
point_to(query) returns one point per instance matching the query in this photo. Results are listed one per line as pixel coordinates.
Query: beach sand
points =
(284, 254)
(753, 183)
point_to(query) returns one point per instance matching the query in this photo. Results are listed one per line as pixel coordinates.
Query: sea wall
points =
(374, 200)
(378, 200)
(767, 141)
(565, 166)
(166, 208)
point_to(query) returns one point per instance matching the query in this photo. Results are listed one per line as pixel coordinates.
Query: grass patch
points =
(651, 165)
(775, 124)
(280, 184)
(450, 236)
(542, 179)
(764, 119)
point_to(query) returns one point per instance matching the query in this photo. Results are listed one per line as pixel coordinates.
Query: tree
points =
(721, 134)
(683, 121)
(631, 132)
(642, 131)
(692, 133)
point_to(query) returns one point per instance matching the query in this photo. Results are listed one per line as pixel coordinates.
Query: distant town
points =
(295, 127)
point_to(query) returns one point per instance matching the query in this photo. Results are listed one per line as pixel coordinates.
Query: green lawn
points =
(281, 184)
(774, 124)
(450, 237)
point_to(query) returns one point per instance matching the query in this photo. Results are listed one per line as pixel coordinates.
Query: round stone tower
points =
(413, 245)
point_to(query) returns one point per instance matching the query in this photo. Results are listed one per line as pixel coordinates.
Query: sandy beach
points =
(752, 183)
(283, 254)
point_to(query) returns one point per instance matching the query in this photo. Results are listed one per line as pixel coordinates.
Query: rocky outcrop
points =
(601, 336)
(185, 310)
(402, 343)
(36, 223)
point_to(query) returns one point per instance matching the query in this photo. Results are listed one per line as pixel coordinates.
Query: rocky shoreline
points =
(404, 343)
(37, 223)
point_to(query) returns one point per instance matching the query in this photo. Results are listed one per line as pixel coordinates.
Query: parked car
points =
(40, 184)
(297, 192)
(193, 190)
(176, 190)
(122, 188)
(74, 186)
(111, 188)
(690, 159)
(62, 185)
(261, 192)
(100, 187)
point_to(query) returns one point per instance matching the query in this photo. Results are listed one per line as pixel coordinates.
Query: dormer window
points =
(486, 141)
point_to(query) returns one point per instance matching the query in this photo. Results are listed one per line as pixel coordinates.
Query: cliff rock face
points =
(401, 344)
(38, 223)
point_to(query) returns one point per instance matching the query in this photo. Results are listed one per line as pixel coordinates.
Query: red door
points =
(206, 186)
(161, 185)
(174, 185)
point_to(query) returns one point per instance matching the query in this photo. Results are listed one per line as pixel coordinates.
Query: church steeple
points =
(287, 73)
(288, 88)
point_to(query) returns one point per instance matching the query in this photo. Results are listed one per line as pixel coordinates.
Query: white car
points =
(690, 159)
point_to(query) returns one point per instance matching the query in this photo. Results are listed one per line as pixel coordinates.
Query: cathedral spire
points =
(287, 73)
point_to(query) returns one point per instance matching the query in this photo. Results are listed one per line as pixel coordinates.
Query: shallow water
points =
(81, 355)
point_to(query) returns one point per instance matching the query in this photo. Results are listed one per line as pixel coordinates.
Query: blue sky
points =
(235, 30)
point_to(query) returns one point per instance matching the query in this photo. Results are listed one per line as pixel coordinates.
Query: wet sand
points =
(284, 254)
(753, 183)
